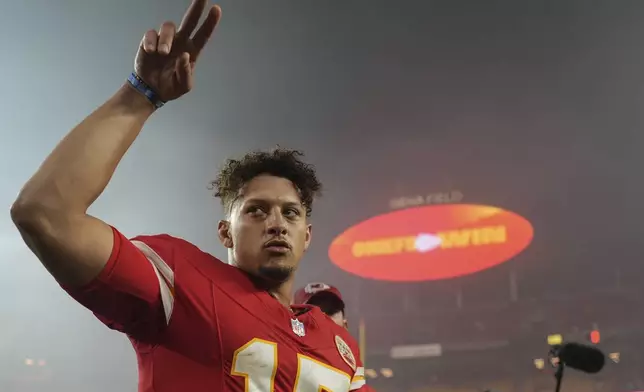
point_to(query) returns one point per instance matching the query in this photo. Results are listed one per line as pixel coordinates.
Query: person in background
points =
(329, 299)
(326, 297)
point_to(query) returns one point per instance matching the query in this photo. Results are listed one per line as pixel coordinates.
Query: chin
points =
(275, 273)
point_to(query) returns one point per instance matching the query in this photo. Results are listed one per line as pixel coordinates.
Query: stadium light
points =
(614, 357)
(555, 339)
(539, 363)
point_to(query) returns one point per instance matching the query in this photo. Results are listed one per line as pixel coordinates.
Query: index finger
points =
(191, 17)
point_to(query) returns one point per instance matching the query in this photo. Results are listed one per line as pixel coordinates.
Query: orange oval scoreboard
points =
(431, 242)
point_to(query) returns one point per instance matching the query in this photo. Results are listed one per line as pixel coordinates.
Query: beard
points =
(275, 274)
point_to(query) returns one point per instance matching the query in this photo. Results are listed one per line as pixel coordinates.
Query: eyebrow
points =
(264, 201)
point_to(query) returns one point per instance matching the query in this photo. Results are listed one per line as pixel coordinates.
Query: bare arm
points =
(51, 210)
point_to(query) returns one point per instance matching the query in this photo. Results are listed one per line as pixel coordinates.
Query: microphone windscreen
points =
(581, 357)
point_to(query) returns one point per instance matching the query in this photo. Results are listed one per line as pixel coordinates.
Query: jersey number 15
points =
(257, 362)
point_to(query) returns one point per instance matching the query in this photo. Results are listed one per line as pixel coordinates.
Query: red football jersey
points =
(200, 325)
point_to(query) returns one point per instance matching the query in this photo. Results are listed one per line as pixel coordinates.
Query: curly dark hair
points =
(279, 162)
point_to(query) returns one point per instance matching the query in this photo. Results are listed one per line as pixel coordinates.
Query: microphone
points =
(580, 357)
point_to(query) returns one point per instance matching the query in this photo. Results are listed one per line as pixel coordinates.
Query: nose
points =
(276, 225)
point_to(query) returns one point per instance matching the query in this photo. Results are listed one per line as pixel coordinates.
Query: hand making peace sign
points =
(166, 60)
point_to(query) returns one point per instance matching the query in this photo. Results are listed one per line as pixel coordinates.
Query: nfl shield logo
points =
(298, 327)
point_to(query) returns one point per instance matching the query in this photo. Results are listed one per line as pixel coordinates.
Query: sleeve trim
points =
(165, 275)
(358, 379)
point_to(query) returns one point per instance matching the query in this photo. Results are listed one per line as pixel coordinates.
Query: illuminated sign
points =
(432, 198)
(431, 242)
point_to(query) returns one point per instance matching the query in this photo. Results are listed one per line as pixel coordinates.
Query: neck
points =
(283, 293)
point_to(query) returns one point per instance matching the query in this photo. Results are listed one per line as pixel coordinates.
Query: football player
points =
(196, 323)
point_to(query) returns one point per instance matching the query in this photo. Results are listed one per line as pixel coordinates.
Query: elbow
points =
(25, 214)
(33, 216)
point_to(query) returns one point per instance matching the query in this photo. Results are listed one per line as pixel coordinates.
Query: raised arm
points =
(51, 209)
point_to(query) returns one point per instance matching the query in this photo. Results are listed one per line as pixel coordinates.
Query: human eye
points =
(255, 210)
(292, 212)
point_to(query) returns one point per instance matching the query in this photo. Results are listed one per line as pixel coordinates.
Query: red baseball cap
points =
(304, 295)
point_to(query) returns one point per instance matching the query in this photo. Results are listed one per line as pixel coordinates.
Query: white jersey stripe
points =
(358, 379)
(165, 275)
(357, 384)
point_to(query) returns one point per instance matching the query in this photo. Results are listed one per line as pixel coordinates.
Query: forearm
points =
(80, 167)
